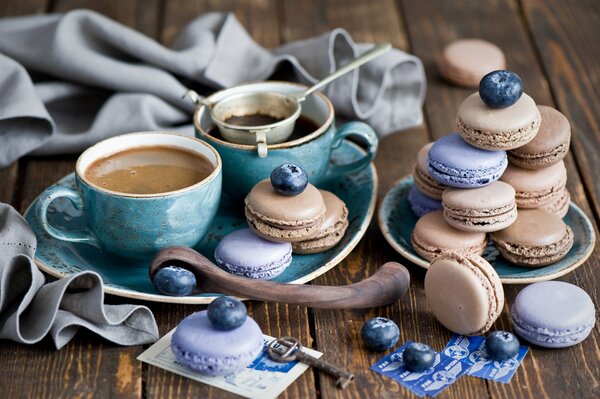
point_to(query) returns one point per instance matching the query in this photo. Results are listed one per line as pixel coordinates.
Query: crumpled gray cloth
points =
(94, 78)
(30, 309)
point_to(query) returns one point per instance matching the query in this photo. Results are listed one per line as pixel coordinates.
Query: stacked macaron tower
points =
(508, 154)
(285, 214)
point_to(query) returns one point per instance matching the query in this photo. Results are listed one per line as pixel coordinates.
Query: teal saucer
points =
(397, 222)
(126, 278)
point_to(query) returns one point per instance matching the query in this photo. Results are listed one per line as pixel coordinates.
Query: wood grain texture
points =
(567, 38)
(433, 25)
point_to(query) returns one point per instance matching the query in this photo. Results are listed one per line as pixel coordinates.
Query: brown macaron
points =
(422, 179)
(464, 292)
(332, 229)
(536, 188)
(549, 146)
(464, 62)
(281, 218)
(433, 236)
(537, 238)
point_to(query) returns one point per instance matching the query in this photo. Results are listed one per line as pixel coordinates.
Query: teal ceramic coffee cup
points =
(138, 225)
(243, 168)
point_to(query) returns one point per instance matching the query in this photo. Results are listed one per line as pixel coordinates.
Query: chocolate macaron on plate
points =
(60, 258)
(397, 222)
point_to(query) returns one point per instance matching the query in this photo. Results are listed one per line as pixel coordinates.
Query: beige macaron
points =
(464, 292)
(539, 187)
(464, 62)
(332, 229)
(433, 236)
(498, 128)
(281, 218)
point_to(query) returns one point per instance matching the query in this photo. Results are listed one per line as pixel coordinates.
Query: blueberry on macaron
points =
(226, 313)
(289, 179)
(418, 357)
(500, 89)
(502, 345)
(380, 333)
(174, 281)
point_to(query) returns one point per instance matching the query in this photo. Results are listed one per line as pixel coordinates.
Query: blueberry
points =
(289, 179)
(174, 281)
(418, 357)
(380, 334)
(500, 89)
(226, 313)
(502, 345)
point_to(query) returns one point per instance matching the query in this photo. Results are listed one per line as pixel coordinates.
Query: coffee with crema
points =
(149, 170)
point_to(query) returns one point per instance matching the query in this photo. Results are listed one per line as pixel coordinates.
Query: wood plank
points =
(260, 19)
(567, 39)
(88, 366)
(433, 25)
(371, 21)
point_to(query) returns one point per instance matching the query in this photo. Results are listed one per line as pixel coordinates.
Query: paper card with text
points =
(264, 378)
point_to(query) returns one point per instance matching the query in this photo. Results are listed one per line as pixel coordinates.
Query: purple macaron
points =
(420, 203)
(245, 254)
(553, 314)
(456, 163)
(201, 347)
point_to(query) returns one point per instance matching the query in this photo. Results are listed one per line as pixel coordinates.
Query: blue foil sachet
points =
(471, 351)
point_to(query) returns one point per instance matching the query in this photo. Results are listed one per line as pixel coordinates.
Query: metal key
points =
(288, 349)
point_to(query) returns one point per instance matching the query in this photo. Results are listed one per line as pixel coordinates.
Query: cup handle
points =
(46, 199)
(367, 136)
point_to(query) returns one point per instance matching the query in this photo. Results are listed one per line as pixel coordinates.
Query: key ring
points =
(281, 355)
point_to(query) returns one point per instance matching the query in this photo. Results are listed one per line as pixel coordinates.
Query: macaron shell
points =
(245, 254)
(302, 209)
(465, 62)
(201, 347)
(281, 234)
(535, 188)
(461, 295)
(560, 206)
(553, 314)
(422, 179)
(536, 238)
(498, 128)
(549, 146)
(422, 204)
(432, 236)
(456, 163)
(332, 230)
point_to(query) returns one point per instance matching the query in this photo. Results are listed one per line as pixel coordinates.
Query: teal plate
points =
(126, 278)
(397, 222)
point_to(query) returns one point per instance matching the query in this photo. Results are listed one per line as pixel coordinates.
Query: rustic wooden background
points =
(553, 44)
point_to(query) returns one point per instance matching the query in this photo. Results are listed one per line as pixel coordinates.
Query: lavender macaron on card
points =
(245, 254)
(454, 162)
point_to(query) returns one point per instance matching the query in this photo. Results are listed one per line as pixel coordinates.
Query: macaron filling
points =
(430, 252)
(563, 338)
(481, 218)
(213, 365)
(268, 270)
(535, 199)
(541, 159)
(501, 139)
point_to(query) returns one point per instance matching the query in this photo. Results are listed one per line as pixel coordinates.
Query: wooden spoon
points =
(386, 286)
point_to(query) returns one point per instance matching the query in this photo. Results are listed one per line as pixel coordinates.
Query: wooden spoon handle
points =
(384, 287)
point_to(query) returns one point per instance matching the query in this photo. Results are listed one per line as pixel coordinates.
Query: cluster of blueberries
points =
(380, 334)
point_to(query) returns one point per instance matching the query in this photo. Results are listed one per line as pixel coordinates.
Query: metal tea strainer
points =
(282, 107)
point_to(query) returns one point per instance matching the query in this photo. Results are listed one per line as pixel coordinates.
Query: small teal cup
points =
(138, 225)
(242, 166)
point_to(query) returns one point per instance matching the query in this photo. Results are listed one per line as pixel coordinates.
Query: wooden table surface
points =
(554, 45)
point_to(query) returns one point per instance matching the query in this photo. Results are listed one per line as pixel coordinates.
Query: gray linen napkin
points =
(30, 309)
(95, 78)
